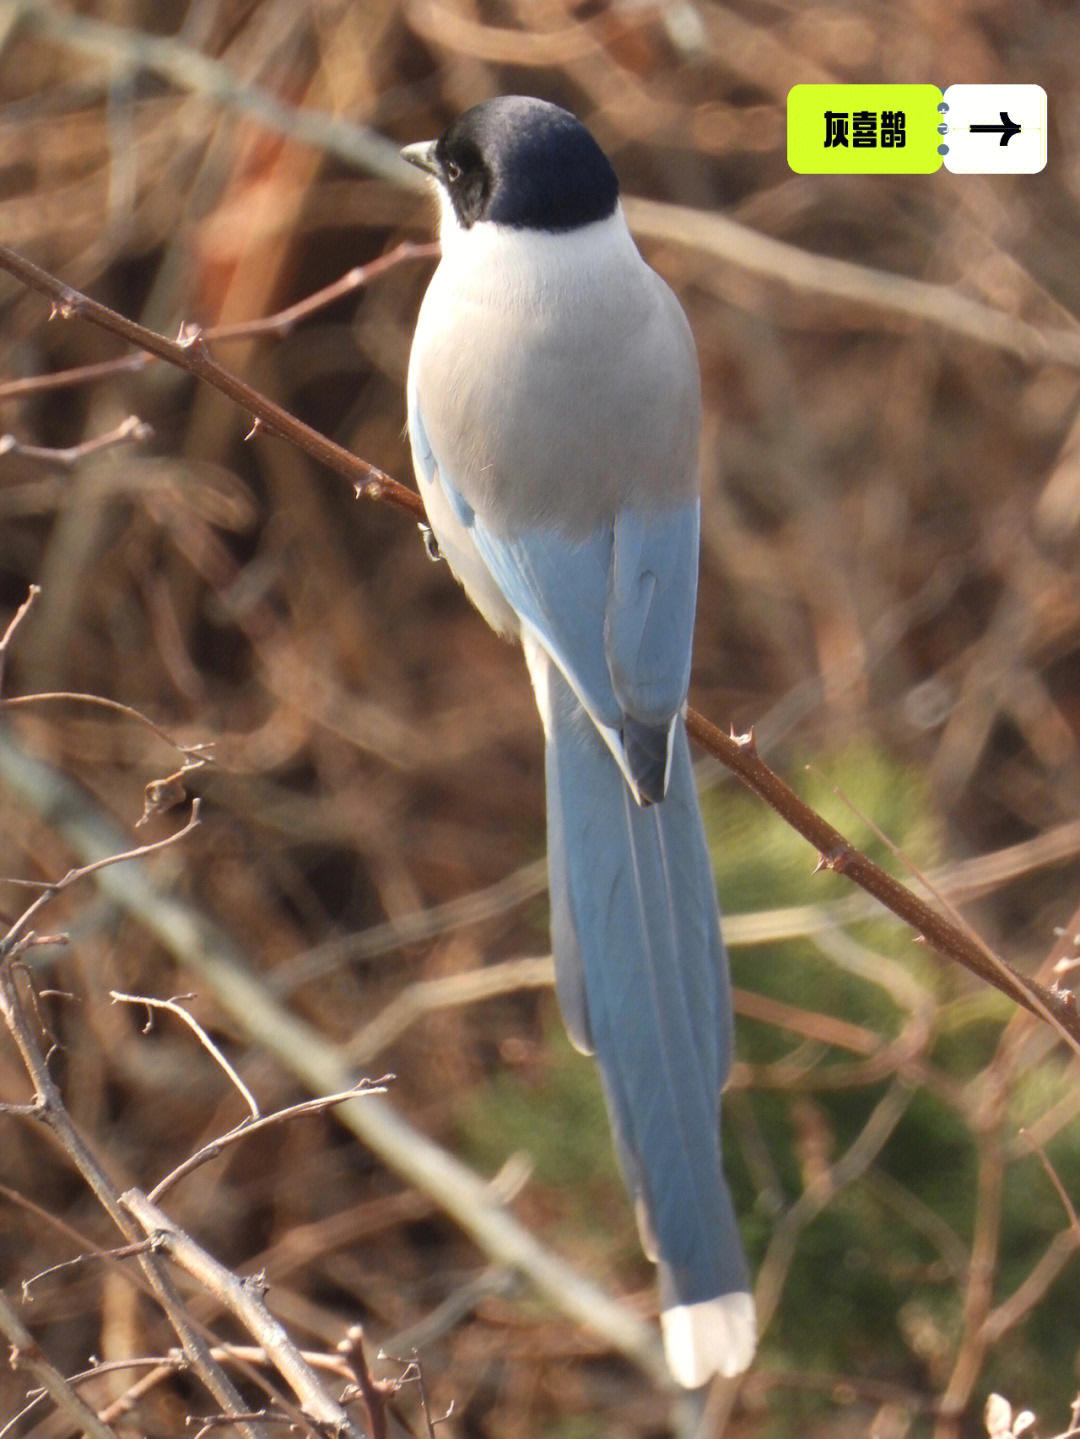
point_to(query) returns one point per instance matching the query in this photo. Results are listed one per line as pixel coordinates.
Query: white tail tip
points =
(718, 1336)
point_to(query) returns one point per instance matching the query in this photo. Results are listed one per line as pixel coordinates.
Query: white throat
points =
(488, 255)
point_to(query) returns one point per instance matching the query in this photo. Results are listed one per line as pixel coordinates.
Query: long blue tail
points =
(642, 980)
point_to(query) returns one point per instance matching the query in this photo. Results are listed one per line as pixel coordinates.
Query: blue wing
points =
(614, 610)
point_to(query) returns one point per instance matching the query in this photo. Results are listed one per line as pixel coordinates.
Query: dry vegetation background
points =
(891, 530)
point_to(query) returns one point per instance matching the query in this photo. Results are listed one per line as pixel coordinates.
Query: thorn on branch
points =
(747, 741)
(67, 304)
(1067, 998)
(256, 1283)
(837, 859)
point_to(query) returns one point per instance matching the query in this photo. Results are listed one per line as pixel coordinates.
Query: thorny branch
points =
(278, 326)
(190, 352)
(836, 853)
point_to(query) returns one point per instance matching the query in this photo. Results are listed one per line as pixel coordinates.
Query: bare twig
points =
(373, 1393)
(1055, 1180)
(16, 620)
(87, 1247)
(129, 431)
(462, 1301)
(426, 995)
(280, 324)
(77, 375)
(854, 1162)
(985, 1247)
(514, 889)
(160, 1367)
(50, 1108)
(251, 1126)
(246, 1358)
(54, 1113)
(1032, 1290)
(209, 1422)
(244, 1299)
(24, 1111)
(174, 1007)
(10, 942)
(26, 1354)
(414, 1374)
(195, 754)
(122, 1251)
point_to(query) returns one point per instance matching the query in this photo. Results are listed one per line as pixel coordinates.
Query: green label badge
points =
(864, 129)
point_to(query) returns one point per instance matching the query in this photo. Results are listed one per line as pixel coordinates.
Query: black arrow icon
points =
(1007, 129)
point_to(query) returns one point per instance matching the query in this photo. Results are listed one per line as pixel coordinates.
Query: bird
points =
(553, 400)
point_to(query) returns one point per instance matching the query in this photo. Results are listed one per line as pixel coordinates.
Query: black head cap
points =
(526, 164)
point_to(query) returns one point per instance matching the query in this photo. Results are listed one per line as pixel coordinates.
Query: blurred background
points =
(888, 595)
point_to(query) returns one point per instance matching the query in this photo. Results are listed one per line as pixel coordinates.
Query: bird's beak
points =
(422, 155)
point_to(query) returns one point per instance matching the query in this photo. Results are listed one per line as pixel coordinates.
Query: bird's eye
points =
(452, 171)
